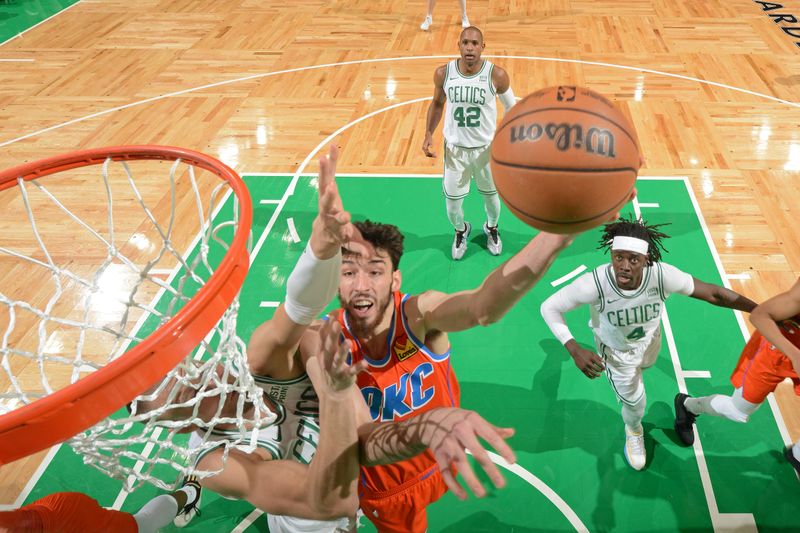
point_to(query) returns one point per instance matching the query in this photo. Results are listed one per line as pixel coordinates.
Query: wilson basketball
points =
(564, 159)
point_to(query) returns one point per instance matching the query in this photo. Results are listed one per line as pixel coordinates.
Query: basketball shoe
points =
(635, 453)
(493, 242)
(192, 508)
(684, 419)
(426, 24)
(465, 22)
(460, 241)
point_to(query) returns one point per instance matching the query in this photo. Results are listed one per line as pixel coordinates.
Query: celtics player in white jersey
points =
(626, 300)
(468, 87)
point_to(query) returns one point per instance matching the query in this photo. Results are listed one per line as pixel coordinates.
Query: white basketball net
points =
(62, 317)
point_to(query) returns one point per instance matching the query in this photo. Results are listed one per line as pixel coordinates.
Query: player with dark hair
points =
(771, 355)
(626, 300)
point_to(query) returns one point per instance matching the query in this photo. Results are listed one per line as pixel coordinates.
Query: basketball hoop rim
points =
(66, 412)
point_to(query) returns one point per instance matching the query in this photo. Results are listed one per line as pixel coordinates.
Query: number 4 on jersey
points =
(469, 117)
(636, 334)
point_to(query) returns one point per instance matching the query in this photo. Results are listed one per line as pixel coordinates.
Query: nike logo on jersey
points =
(610, 301)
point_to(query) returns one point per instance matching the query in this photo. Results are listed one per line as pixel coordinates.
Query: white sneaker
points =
(460, 241)
(464, 22)
(191, 509)
(493, 242)
(426, 24)
(635, 453)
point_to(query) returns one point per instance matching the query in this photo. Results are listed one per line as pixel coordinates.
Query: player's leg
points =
(626, 381)
(792, 454)
(162, 509)
(456, 187)
(426, 24)
(491, 200)
(464, 20)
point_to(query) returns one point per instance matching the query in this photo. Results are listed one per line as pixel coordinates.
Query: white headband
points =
(630, 244)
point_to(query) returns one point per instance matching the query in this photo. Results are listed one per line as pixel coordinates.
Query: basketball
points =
(564, 159)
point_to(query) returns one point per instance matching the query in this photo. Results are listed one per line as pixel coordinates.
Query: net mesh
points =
(100, 263)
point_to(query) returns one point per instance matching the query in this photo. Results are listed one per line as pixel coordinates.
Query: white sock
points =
(491, 203)
(455, 213)
(191, 493)
(156, 513)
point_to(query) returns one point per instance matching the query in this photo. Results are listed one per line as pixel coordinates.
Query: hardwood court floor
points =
(711, 88)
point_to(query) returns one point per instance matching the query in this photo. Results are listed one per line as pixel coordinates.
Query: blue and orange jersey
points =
(404, 381)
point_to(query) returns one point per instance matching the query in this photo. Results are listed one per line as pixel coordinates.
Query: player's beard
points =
(364, 327)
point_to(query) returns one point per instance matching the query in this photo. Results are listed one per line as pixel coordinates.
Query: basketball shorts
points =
(761, 368)
(624, 369)
(463, 164)
(404, 509)
(74, 512)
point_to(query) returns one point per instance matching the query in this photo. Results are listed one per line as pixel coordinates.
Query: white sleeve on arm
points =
(507, 99)
(311, 286)
(581, 291)
(676, 281)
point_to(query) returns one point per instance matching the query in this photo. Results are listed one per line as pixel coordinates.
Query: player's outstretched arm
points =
(501, 289)
(721, 296)
(582, 291)
(448, 432)
(435, 110)
(314, 281)
(776, 309)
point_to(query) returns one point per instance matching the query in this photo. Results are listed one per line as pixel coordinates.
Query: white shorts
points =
(624, 369)
(291, 524)
(463, 164)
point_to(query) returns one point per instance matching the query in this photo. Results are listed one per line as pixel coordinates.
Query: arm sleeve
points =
(676, 280)
(507, 99)
(312, 284)
(581, 291)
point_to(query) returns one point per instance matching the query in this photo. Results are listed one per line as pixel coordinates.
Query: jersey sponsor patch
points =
(652, 291)
(404, 351)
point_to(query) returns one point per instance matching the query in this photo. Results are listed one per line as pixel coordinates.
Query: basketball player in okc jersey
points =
(403, 339)
(291, 351)
(468, 87)
(626, 299)
(771, 355)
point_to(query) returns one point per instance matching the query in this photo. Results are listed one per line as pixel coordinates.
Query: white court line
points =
(543, 488)
(567, 277)
(266, 303)
(652, 205)
(742, 522)
(292, 230)
(742, 276)
(247, 521)
(264, 202)
(162, 271)
(17, 60)
(776, 411)
(42, 22)
(696, 374)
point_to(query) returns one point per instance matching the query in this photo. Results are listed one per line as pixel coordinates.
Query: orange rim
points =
(64, 413)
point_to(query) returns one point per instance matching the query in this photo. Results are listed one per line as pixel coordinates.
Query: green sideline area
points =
(17, 16)
(569, 433)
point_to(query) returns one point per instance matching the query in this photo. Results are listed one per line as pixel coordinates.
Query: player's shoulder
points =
(440, 73)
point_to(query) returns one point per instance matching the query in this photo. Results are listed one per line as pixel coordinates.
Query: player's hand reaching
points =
(587, 361)
(427, 146)
(333, 353)
(332, 226)
(448, 432)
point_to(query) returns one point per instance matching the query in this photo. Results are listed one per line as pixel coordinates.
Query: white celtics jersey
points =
(470, 115)
(626, 320)
(296, 431)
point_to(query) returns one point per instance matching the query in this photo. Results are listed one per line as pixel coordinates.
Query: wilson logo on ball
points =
(566, 136)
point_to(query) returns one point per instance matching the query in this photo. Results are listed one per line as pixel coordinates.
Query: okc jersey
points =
(626, 320)
(470, 115)
(406, 380)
